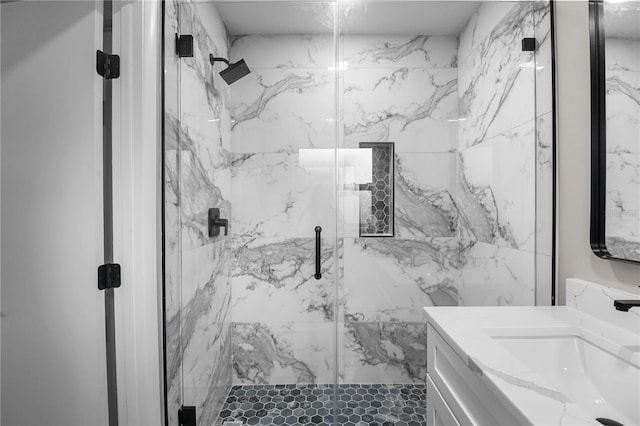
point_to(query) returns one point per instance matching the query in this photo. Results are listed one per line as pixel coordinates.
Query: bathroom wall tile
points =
(482, 24)
(273, 281)
(543, 58)
(204, 96)
(205, 181)
(544, 184)
(385, 352)
(198, 354)
(544, 280)
(284, 109)
(284, 51)
(496, 82)
(208, 378)
(414, 107)
(597, 300)
(172, 267)
(497, 276)
(201, 176)
(171, 185)
(284, 195)
(424, 191)
(377, 51)
(289, 352)
(389, 279)
(424, 195)
(623, 111)
(623, 201)
(197, 176)
(497, 189)
(622, 54)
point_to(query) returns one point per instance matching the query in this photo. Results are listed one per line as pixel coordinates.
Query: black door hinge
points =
(108, 276)
(184, 46)
(108, 66)
(529, 44)
(187, 416)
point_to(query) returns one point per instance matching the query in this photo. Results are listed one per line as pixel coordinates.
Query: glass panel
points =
(448, 83)
(246, 308)
(435, 102)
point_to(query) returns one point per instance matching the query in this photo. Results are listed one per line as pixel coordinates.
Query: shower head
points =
(233, 72)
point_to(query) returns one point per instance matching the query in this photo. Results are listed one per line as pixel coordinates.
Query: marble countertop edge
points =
(467, 330)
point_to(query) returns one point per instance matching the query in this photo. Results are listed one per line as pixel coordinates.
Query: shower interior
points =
(456, 211)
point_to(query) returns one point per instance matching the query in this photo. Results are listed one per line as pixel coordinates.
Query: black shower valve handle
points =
(215, 222)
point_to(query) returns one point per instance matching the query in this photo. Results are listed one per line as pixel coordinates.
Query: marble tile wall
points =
(198, 176)
(283, 179)
(470, 146)
(622, 67)
(400, 89)
(505, 150)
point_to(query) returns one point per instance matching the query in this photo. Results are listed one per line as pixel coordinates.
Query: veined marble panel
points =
(424, 194)
(208, 379)
(284, 51)
(204, 181)
(284, 109)
(198, 351)
(290, 352)
(623, 111)
(543, 59)
(597, 300)
(204, 96)
(385, 352)
(283, 195)
(171, 60)
(389, 279)
(388, 51)
(544, 280)
(414, 107)
(171, 185)
(482, 23)
(425, 186)
(544, 184)
(497, 189)
(273, 281)
(623, 196)
(497, 80)
(497, 276)
(622, 54)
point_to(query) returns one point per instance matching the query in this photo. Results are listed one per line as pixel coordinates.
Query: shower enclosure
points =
(417, 135)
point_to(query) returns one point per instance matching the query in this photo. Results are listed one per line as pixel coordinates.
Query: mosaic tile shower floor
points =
(377, 404)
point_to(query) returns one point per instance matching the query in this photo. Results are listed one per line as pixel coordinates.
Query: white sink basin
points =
(600, 377)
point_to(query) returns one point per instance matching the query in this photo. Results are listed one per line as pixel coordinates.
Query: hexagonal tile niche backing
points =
(376, 197)
(377, 404)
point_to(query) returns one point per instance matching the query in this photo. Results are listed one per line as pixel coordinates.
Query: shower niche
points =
(376, 196)
(417, 135)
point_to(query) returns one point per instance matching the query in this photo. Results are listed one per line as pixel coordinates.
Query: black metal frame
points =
(165, 385)
(598, 134)
(554, 147)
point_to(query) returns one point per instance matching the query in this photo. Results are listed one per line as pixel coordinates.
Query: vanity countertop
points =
(469, 331)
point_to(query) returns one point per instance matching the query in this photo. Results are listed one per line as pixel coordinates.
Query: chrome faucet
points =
(625, 305)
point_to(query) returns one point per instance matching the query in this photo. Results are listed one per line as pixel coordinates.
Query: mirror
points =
(615, 129)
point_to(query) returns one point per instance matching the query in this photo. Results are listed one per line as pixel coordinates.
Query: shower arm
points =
(214, 59)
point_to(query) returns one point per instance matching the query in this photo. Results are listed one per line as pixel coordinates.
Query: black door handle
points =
(318, 252)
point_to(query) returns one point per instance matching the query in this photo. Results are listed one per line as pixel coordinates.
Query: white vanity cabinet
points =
(456, 394)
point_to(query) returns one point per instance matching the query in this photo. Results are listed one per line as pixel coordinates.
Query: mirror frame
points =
(599, 134)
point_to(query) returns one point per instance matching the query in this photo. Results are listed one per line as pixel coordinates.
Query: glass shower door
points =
(250, 320)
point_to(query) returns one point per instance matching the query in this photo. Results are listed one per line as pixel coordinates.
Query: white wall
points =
(573, 256)
(53, 334)
(53, 345)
